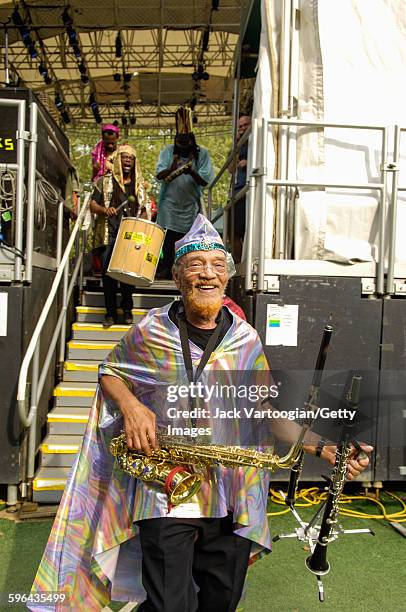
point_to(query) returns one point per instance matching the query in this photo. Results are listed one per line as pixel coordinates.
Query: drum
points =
(136, 252)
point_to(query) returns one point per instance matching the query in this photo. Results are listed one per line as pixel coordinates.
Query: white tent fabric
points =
(356, 78)
(264, 101)
(351, 63)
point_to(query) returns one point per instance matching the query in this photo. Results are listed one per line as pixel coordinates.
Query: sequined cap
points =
(202, 236)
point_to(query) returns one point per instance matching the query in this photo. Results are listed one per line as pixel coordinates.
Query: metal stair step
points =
(140, 300)
(95, 314)
(49, 484)
(96, 331)
(68, 420)
(80, 371)
(87, 350)
(74, 393)
(91, 282)
(59, 450)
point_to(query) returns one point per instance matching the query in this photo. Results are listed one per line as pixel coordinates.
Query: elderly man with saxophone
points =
(116, 537)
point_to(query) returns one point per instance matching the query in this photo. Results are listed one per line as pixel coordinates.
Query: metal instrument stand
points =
(309, 532)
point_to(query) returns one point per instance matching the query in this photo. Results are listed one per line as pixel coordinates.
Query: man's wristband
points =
(320, 445)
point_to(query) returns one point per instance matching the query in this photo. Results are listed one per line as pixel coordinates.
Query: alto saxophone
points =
(174, 464)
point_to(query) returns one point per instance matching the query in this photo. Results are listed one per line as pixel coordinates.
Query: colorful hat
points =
(110, 127)
(203, 236)
(183, 118)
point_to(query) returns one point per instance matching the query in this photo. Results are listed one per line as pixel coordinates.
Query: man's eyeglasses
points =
(197, 268)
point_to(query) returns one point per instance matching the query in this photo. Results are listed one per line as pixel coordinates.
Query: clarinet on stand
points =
(296, 470)
(319, 537)
(317, 562)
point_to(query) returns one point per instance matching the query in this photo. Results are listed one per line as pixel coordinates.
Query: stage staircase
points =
(90, 343)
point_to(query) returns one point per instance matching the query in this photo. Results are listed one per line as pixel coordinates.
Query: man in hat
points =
(125, 183)
(179, 200)
(104, 149)
(111, 527)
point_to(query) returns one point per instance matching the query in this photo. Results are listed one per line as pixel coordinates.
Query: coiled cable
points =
(45, 194)
(8, 190)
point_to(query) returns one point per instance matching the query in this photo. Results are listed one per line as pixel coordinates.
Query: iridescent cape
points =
(93, 551)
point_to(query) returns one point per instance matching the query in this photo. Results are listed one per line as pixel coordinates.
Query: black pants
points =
(110, 287)
(177, 552)
(168, 250)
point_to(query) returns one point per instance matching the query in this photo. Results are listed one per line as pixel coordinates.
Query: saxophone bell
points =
(180, 482)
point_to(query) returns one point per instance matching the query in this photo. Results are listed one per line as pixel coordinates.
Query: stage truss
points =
(162, 46)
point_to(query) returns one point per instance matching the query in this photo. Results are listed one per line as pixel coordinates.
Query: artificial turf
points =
(367, 573)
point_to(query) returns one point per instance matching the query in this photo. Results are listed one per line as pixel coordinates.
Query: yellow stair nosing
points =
(98, 327)
(73, 366)
(65, 418)
(101, 310)
(72, 392)
(51, 449)
(89, 346)
(55, 484)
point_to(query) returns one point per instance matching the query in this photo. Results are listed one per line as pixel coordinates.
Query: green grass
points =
(367, 573)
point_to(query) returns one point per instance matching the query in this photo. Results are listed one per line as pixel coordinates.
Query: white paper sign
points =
(3, 313)
(281, 324)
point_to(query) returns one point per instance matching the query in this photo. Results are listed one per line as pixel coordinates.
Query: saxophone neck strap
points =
(184, 339)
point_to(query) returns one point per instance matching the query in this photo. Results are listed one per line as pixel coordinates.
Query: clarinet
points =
(179, 170)
(296, 470)
(317, 562)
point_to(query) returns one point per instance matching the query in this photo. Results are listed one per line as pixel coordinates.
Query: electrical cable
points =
(314, 496)
(45, 193)
(13, 250)
(8, 190)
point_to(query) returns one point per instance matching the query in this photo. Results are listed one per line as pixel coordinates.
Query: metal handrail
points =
(231, 157)
(32, 353)
(20, 168)
(390, 281)
(257, 177)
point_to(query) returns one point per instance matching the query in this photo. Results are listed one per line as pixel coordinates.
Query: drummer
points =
(124, 184)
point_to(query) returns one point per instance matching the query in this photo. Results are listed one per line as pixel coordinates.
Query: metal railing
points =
(257, 180)
(28, 419)
(18, 167)
(22, 136)
(381, 187)
(393, 216)
(230, 161)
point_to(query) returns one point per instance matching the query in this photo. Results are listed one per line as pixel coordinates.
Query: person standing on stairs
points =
(109, 193)
(183, 169)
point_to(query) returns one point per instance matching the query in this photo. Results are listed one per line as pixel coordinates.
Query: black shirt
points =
(199, 336)
(241, 173)
(114, 222)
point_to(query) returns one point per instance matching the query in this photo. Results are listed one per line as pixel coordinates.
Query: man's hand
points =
(175, 163)
(355, 465)
(242, 163)
(111, 211)
(139, 425)
(139, 421)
